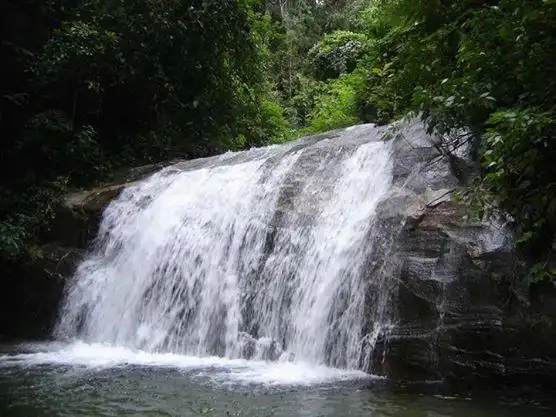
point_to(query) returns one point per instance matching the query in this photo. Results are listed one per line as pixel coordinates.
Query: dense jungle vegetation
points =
(90, 86)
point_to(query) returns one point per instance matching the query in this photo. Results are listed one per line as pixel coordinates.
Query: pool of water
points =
(95, 380)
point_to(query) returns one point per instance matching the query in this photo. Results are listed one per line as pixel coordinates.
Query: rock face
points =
(461, 313)
(78, 218)
(33, 289)
(450, 284)
(31, 292)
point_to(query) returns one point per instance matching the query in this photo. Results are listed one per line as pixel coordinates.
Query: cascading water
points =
(260, 254)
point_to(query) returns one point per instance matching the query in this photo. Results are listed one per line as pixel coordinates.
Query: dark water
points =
(58, 382)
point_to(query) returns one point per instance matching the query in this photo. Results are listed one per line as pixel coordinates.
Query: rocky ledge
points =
(462, 313)
(461, 310)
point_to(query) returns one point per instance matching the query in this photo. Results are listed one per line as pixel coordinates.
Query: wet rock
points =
(461, 314)
(248, 345)
(33, 288)
(32, 292)
(263, 348)
(78, 218)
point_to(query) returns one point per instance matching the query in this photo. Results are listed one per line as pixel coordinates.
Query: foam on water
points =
(218, 369)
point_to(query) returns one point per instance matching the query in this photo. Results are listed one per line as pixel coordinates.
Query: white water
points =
(252, 257)
(218, 370)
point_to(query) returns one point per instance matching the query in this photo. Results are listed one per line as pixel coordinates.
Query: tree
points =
(103, 84)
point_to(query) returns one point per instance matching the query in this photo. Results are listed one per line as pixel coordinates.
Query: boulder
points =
(458, 306)
(462, 314)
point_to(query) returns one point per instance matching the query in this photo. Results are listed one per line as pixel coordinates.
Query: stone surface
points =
(79, 216)
(32, 292)
(33, 289)
(462, 314)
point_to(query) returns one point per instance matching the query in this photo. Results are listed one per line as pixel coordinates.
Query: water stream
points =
(259, 257)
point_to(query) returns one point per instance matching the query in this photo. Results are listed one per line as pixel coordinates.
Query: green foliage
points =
(101, 84)
(278, 128)
(483, 66)
(29, 208)
(97, 85)
(516, 144)
(304, 101)
(337, 53)
(336, 106)
(52, 138)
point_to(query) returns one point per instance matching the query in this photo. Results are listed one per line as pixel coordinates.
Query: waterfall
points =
(262, 254)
